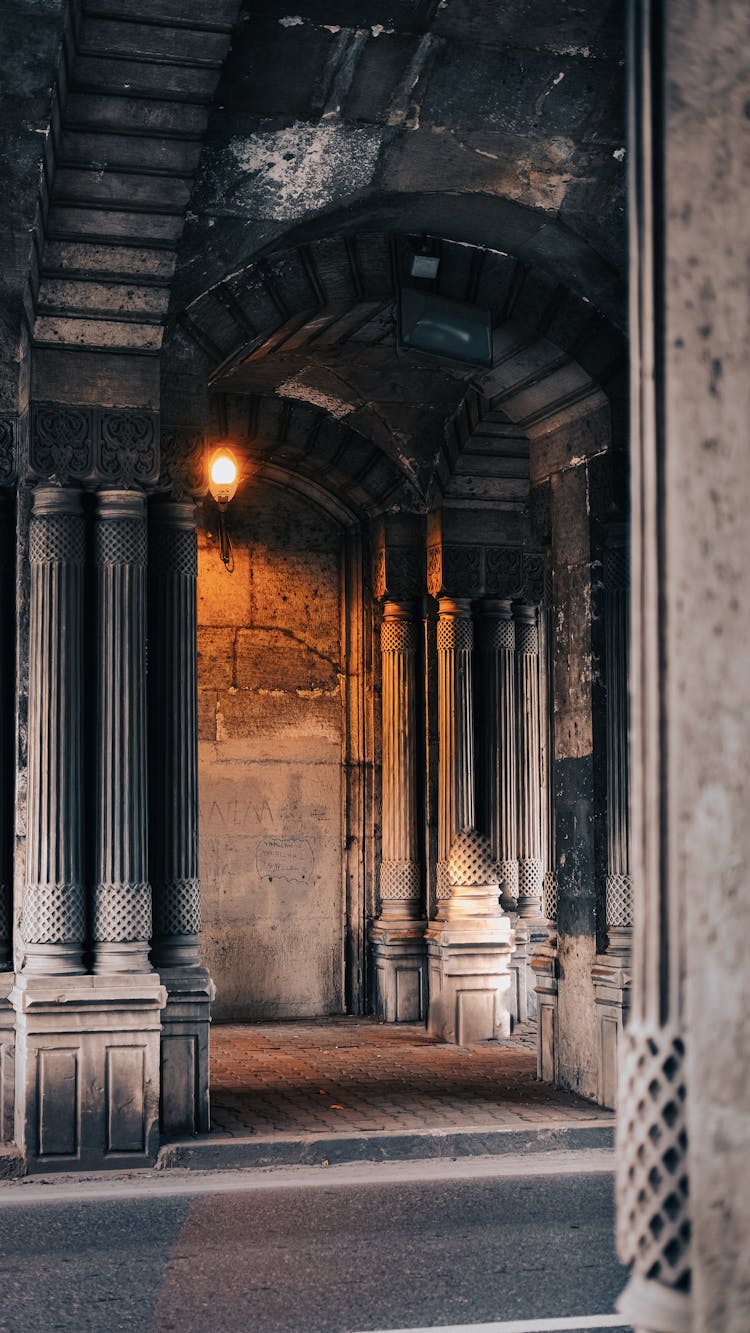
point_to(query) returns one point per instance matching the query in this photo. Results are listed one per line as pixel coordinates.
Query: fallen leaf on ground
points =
(335, 1107)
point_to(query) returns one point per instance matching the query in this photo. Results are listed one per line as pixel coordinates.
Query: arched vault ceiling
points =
(498, 124)
(305, 359)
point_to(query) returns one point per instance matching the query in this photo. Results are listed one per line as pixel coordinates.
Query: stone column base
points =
(185, 1025)
(519, 972)
(470, 980)
(544, 965)
(7, 1057)
(611, 977)
(399, 956)
(538, 936)
(87, 1070)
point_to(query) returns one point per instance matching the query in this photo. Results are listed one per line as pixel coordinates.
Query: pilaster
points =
(53, 922)
(7, 1017)
(397, 936)
(122, 895)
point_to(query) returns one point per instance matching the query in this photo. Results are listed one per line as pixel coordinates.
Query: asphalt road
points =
(313, 1251)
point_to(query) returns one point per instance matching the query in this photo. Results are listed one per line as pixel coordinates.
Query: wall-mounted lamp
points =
(223, 479)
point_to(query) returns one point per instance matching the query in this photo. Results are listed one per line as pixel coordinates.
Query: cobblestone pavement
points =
(354, 1074)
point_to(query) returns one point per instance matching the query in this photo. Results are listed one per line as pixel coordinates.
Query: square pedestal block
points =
(185, 1027)
(470, 983)
(7, 1057)
(87, 1070)
(544, 965)
(519, 974)
(611, 976)
(399, 957)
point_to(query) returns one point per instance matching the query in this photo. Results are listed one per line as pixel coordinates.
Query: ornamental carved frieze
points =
(454, 571)
(80, 442)
(398, 572)
(11, 430)
(183, 461)
(485, 571)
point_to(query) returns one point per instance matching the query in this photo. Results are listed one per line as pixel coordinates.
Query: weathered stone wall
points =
(271, 736)
(572, 490)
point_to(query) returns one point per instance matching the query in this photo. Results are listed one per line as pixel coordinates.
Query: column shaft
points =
(455, 642)
(7, 620)
(53, 922)
(122, 903)
(173, 679)
(400, 877)
(499, 815)
(530, 868)
(619, 905)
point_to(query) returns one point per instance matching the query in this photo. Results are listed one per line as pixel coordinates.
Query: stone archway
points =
(280, 686)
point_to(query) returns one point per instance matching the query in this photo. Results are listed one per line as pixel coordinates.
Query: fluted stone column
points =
(400, 875)
(619, 904)
(455, 642)
(530, 867)
(53, 923)
(174, 869)
(173, 676)
(611, 970)
(497, 641)
(122, 894)
(397, 937)
(544, 953)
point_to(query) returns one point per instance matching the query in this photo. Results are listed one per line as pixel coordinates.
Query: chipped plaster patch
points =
(619, 155)
(300, 168)
(292, 21)
(302, 392)
(377, 29)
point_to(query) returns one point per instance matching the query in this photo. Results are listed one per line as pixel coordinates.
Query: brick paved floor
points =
(354, 1074)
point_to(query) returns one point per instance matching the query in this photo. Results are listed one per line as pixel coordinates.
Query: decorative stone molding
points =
(11, 425)
(53, 923)
(507, 572)
(619, 902)
(398, 572)
(183, 462)
(81, 442)
(122, 895)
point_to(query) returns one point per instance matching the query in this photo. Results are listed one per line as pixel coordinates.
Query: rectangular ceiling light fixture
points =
(430, 323)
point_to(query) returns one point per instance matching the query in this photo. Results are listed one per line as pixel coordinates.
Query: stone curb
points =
(214, 1154)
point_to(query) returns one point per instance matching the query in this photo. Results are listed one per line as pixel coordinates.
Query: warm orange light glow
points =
(223, 470)
(223, 476)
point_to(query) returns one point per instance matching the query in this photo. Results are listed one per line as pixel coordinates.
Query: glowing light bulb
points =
(223, 470)
(223, 476)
